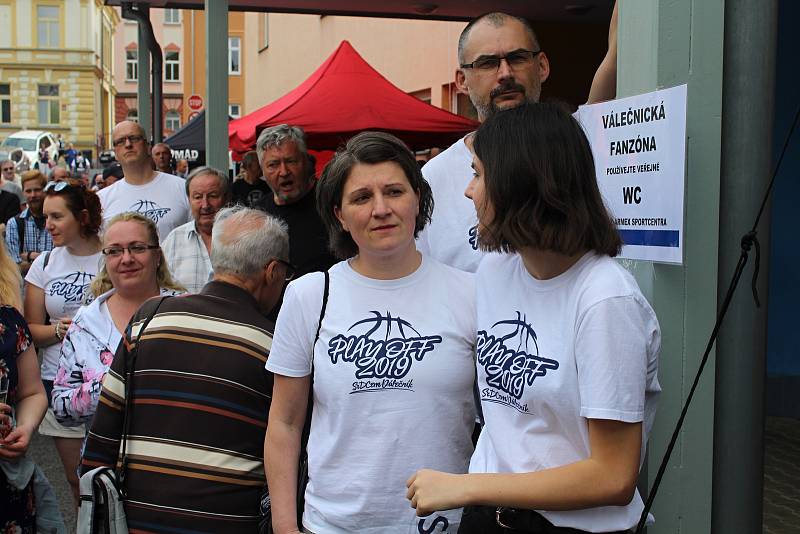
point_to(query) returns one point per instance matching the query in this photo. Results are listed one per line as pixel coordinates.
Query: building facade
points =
(56, 69)
(169, 30)
(418, 56)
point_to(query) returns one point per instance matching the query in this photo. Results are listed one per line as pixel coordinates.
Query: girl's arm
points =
(606, 478)
(43, 334)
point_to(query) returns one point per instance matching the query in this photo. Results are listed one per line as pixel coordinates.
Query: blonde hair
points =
(10, 280)
(102, 282)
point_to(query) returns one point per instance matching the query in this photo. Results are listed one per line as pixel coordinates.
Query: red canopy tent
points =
(344, 96)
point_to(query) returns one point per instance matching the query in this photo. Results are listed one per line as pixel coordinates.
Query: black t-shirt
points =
(250, 195)
(308, 238)
(9, 206)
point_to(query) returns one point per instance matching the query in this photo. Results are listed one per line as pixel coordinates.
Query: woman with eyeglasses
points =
(133, 270)
(567, 346)
(55, 287)
(392, 369)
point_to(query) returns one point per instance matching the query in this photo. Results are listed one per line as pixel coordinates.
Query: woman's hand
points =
(430, 491)
(16, 442)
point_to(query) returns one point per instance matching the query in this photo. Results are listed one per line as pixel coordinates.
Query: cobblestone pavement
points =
(43, 452)
(782, 476)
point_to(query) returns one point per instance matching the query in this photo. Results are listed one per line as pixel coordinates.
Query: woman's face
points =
(64, 228)
(130, 271)
(476, 191)
(379, 209)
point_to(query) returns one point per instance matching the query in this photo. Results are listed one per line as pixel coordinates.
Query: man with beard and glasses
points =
(502, 66)
(26, 235)
(188, 247)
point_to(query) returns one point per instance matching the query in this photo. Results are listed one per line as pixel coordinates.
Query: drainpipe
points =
(140, 13)
(747, 121)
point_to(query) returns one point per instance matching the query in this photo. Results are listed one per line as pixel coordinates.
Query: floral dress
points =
(17, 507)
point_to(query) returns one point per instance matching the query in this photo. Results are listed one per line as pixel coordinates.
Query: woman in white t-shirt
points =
(393, 367)
(55, 286)
(567, 346)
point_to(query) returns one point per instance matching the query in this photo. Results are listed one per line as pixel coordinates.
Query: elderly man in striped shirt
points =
(199, 393)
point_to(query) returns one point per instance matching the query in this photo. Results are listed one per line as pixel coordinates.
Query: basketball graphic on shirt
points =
(382, 348)
(149, 209)
(473, 237)
(509, 354)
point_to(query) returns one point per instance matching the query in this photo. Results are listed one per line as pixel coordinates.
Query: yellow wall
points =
(78, 66)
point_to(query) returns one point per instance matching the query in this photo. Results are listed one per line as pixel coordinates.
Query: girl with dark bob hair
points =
(567, 346)
(391, 354)
(55, 286)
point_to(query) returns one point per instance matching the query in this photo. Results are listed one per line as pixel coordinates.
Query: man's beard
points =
(489, 108)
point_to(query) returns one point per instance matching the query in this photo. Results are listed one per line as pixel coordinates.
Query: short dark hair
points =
(369, 148)
(78, 198)
(496, 19)
(540, 182)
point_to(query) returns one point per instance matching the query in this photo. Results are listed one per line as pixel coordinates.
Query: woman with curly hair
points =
(55, 287)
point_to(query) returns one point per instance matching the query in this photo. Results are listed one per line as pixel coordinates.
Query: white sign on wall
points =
(639, 147)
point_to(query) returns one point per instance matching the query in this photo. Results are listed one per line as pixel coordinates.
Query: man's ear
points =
(461, 82)
(544, 66)
(270, 272)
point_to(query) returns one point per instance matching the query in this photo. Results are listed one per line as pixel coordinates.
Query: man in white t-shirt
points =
(156, 195)
(501, 67)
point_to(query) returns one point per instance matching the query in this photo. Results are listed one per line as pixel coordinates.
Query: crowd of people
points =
(214, 341)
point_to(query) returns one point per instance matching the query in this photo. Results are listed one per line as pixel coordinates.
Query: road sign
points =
(193, 114)
(195, 102)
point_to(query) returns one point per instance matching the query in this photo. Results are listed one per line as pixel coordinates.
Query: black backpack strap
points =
(20, 233)
(46, 260)
(130, 364)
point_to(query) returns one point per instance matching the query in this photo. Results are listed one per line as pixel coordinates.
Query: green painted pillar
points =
(663, 43)
(144, 106)
(217, 83)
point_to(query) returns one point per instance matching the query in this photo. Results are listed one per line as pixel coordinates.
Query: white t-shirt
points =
(451, 237)
(393, 378)
(163, 200)
(554, 353)
(65, 282)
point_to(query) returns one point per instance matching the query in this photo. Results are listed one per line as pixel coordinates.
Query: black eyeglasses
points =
(290, 269)
(135, 250)
(515, 59)
(6, 169)
(132, 139)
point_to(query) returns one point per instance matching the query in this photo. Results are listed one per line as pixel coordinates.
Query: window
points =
(48, 106)
(172, 16)
(132, 65)
(234, 111)
(133, 115)
(5, 103)
(47, 26)
(172, 120)
(234, 55)
(172, 68)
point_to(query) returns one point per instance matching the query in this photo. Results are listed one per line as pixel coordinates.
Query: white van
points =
(30, 142)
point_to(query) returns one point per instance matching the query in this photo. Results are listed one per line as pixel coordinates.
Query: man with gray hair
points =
(187, 247)
(289, 173)
(201, 392)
